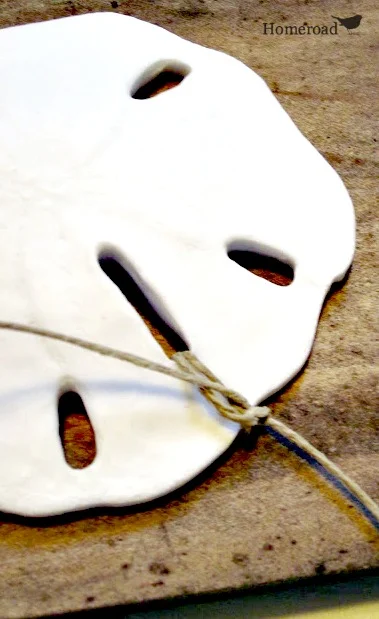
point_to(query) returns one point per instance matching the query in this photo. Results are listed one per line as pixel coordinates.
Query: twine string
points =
(227, 402)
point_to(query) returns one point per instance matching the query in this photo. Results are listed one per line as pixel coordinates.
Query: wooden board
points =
(260, 515)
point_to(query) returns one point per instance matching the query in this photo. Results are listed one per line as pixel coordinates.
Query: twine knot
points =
(253, 416)
(229, 403)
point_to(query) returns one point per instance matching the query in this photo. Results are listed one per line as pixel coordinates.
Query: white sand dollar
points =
(169, 184)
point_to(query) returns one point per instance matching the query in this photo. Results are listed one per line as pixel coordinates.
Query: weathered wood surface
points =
(261, 515)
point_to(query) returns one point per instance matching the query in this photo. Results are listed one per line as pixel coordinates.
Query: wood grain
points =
(259, 515)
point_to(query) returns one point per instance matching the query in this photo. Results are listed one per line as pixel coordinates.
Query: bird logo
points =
(350, 23)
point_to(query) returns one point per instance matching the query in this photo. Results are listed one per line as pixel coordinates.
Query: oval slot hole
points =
(165, 80)
(75, 430)
(169, 340)
(271, 269)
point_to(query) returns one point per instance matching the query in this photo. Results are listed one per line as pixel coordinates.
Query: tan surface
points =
(361, 611)
(261, 515)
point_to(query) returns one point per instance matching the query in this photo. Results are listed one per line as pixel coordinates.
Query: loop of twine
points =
(228, 403)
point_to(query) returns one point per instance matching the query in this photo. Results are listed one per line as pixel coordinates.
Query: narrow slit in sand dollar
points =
(114, 267)
(75, 430)
(159, 78)
(272, 269)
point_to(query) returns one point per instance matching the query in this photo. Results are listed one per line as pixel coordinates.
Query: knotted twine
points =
(227, 402)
